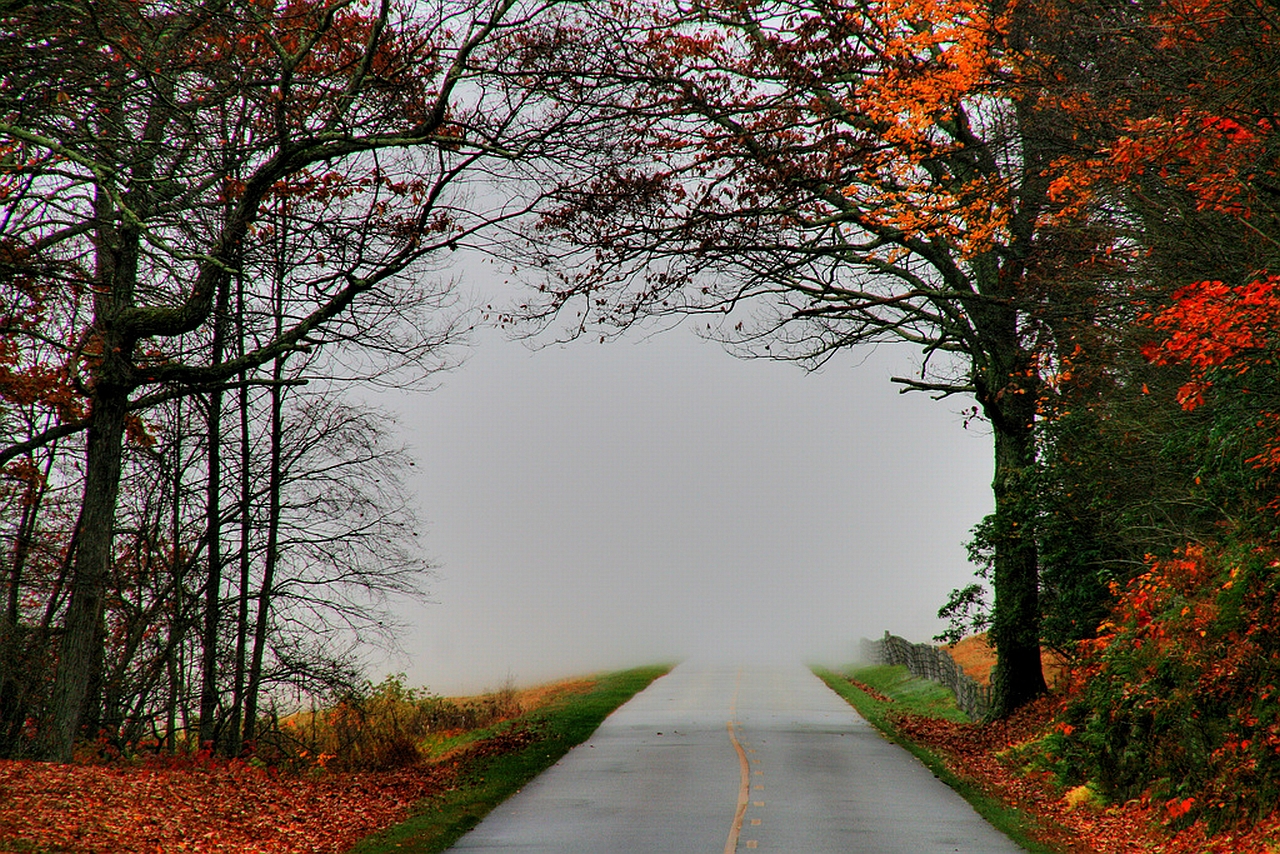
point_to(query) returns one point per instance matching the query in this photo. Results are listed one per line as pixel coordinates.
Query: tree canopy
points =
(199, 196)
(1068, 207)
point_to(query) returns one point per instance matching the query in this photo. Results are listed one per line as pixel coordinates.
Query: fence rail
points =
(931, 662)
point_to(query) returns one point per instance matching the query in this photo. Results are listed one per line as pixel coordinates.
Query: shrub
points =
(380, 727)
(1176, 699)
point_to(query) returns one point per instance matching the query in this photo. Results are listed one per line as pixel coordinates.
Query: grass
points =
(913, 695)
(910, 693)
(539, 739)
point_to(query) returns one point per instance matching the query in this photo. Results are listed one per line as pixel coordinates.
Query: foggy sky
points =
(595, 505)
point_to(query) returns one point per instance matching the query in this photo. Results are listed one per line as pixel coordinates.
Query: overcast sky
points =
(595, 505)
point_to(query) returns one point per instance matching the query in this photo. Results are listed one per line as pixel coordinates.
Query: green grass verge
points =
(489, 780)
(910, 693)
(924, 697)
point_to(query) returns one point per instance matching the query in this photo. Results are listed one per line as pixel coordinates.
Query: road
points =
(714, 758)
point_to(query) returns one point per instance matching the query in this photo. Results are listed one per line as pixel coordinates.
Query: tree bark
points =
(1015, 620)
(177, 567)
(266, 593)
(209, 693)
(105, 443)
(235, 727)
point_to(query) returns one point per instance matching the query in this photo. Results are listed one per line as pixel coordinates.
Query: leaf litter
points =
(224, 807)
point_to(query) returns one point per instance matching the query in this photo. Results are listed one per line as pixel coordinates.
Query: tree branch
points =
(943, 389)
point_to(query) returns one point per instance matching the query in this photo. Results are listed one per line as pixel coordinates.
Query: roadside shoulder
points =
(904, 708)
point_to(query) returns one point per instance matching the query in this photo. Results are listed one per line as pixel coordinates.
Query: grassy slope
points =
(488, 780)
(922, 697)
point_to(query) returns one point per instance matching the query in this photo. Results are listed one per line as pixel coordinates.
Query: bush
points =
(1176, 699)
(378, 728)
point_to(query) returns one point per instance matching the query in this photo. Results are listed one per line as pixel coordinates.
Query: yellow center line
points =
(744, 793)
(744, 788)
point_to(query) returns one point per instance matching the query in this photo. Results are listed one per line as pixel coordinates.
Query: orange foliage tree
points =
(1197, 161)
(1177, 159)
(880, 172)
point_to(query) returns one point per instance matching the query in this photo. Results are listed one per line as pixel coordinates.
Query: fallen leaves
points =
(869, 691)
(231, 807)
(207, 805)
(972, 750)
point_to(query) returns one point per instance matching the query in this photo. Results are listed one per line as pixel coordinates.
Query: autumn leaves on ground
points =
(334, 777)
(203, 803)
(207, 807)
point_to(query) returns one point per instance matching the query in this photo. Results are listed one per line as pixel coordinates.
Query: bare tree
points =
(142, 146)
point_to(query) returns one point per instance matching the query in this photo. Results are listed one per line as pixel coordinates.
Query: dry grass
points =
(533, 697)
(390, 726)
(976, 657)
(540, 695)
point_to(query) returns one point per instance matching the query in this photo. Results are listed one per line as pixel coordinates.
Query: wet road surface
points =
(715, 758)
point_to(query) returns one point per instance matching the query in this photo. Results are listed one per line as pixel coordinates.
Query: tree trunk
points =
(273, 547)
(235, 727)
(213, 582)
(90, 569)
(209, 693)
(276, 438)
(177, 565)
(1015, 621)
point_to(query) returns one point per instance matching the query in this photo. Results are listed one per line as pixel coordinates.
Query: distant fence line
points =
(931, 662)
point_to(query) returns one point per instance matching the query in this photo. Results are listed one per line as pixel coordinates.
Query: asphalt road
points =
(721, 759)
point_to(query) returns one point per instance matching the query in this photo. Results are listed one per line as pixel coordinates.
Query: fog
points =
(591, 506)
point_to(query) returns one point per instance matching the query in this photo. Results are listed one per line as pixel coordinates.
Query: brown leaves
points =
(974, 751)
(225, 808)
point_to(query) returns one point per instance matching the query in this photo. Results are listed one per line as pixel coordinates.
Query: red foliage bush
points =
(1175, 700)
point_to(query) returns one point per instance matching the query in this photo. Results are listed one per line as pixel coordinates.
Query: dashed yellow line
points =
(744, 767)
(744, 793)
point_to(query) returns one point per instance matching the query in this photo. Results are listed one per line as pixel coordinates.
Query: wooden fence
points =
(931, 662)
